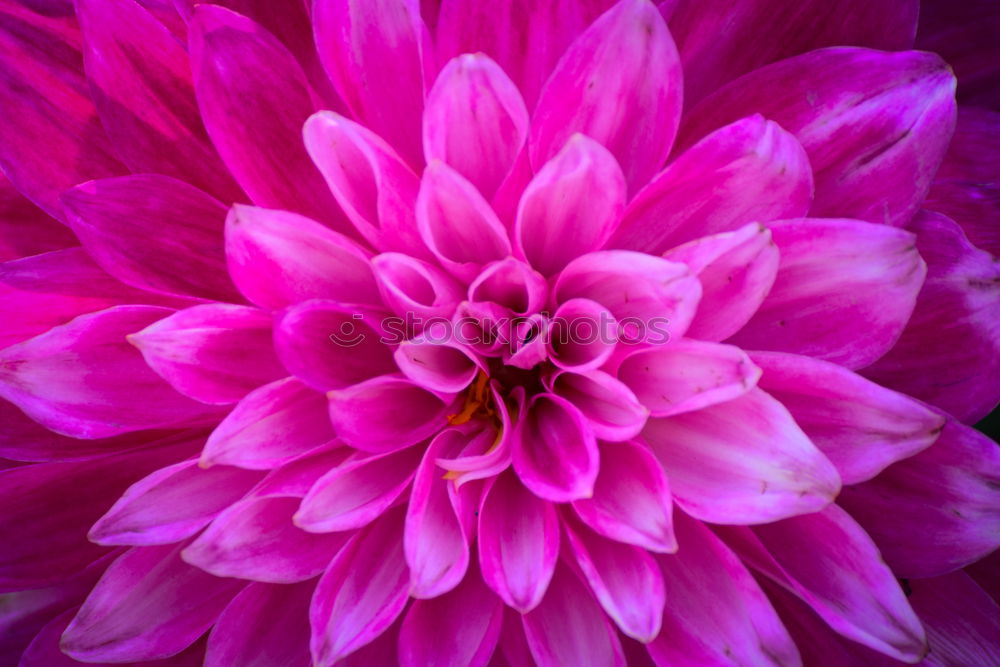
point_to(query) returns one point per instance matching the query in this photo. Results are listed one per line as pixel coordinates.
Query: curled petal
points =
(744, 461)
(620, 84)
(411, 286)
(749, 171)
(512, 284)
(614, 412)
(447, 366)
(581, 336)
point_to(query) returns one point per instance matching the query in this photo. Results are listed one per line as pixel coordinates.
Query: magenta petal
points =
(937, 511)
(631, 501)
(51, 506)
(148, 605)
(256, 539)
(613, 411)
(254, 98)
(555, 452)
(358, 491)
(277, 258)
(270, 426)
(445, 366)
(512, 284)
(413, 286)
(330, 345)
(373, 52)
(625, 579)
(172, 504)
(84, 379)
(829, 561)
(361, 593)
(686, 375)
(719, 41)
(568, 627)
(385, 414)
(41, 292)
(518, 542)
(44, 150)
(376, 189)
(618, 83)
(215, 353)
(458, 629)
(715, 612)
(154, 232)
(263, 625)
(836, 278)
(475, 121)
(657, 297)
(571, 207)
(457, 224)
(25, 229)
(141, 83)
(749, 171)
(741, 462)
(581, 336)
(736, 271)
(436, 539)
(962, 621)
(861, 427)
(875, 125)
(949, 353)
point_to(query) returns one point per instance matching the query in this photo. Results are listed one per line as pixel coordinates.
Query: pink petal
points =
(172, 504)
(263, 625)
(25, 229)
(330, 345)
(625, 579)
(571, 207)
(829, 561)
(718, 41)
(612, 410)
(518, 542)
(355, 493)
(148, 605)
(525, 38)
(836, 278)
(736, 271)
(475, 121)
(555, 452)
(569, 628)
(270, 426)
(861, 427)
(141, 83)
(965, 188)
(457, 629)
(484, 450)
(743, 461)
(373, 52)
(937, 511)
(41, 292)
(412, 286)
(277, 258)
(631, 501)
(620, 84)
(686, 375)
(949, 353)
(457, 224)
(46, 149)
(153, 232)
(51, 506)
(256, 539)
(715, 612)
(296, 477)
(215, 353)
(436, 539)
(361, 593)
(749, 171)
(512, 284)
(84, 379)
(254, 98)
(376, 189)
(653, 295)
(441, 366)
(581, 336)
(875, 125)
(385, 414)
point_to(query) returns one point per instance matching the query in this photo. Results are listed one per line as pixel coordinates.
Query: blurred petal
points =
(25, 229)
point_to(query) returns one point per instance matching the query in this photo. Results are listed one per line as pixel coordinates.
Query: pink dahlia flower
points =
(487, 332)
